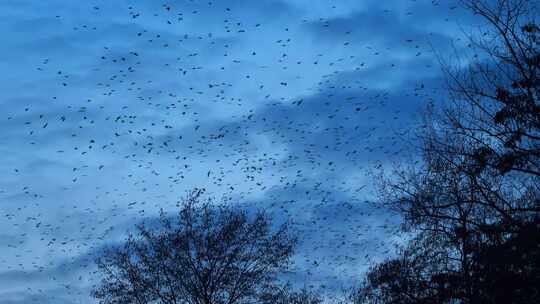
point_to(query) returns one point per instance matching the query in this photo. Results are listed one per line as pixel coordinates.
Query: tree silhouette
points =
(208, 254)
(286, 295)
(473, 202)
(495, 100)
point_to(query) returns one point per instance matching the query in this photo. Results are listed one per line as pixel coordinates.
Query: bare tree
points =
(480, 164)
(417, 274)
(495, 101)
(286, 295)
(491, 127)
(206, 255)
(476, 190)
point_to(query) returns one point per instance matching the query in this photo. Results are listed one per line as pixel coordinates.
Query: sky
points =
(112, 110)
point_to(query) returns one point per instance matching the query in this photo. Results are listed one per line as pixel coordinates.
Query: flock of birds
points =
(253, 103)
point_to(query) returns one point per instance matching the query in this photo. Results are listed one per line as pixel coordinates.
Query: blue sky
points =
(111, 110)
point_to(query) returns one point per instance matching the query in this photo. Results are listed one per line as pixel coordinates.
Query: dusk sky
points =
(111, 110)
